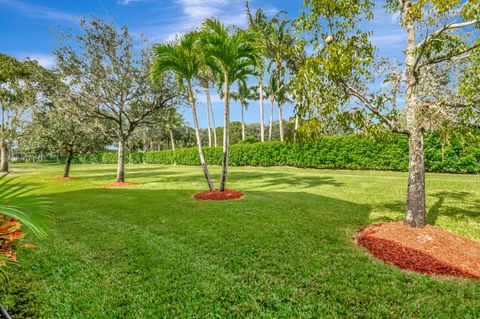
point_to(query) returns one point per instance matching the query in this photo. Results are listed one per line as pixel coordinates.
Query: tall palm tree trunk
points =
(296, 128)
(210, 110)
(209, 131)
(243, 121)
(280, 111)
(262, 116)
(226, 135)
(172, 139)
(280, 118)
(199, 141)
(270, 128)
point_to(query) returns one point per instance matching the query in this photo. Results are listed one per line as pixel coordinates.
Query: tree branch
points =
(368, 104)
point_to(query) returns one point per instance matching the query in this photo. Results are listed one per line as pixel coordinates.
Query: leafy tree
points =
(335, 78)
(13, 98)
(232, 55)
(185, 60)
(59, 130)
(111, 81)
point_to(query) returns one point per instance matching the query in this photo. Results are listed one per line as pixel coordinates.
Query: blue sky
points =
(26, 28)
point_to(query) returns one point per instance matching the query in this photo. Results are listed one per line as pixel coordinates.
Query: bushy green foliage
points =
(385, 152)
(135, 158)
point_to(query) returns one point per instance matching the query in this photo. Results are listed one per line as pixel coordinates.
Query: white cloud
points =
(37, 12)
(185, 15)
(45, 60)
(126, 2)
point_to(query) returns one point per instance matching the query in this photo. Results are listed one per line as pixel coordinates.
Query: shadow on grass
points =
(439, 207)
(134, 250)
(262, 179)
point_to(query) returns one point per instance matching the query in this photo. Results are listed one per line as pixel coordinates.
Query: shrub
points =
(384, 152)
(387, 151)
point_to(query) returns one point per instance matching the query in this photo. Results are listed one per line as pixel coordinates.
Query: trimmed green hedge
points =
(385, 152)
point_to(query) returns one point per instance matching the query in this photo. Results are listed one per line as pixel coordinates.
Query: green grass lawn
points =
(284, 251)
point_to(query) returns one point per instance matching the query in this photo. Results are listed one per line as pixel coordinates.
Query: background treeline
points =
(385, 151)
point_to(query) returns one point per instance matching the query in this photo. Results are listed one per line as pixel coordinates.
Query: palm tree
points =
(258, 23)
(244, 94)
(277, 41)
(271, 91)
(184, 59)
(232, 56)
(206, 77)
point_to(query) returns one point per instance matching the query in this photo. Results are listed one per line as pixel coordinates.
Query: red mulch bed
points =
(429, 250)
(228, 194)
(116, 184)
(65, 178)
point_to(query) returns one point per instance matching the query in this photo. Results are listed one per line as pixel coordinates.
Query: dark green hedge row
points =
(385, 152)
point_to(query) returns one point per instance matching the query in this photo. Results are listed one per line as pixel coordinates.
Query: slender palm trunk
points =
(296, 128)
(208, 105)
(416, 207)
(280, 118)
(68, 163)
(226, 135)
(121, 159)
(172, 139)
(243, 121)
(270, 128)
(280, 111)
(262, 116)
(199, 141)
(210, 110)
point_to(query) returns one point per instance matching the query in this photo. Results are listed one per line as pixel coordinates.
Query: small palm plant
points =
(18, 208)
(232, 55)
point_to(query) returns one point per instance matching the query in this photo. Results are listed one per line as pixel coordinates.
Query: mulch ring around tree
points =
(227, 194)
(429, 250)
(65, 178)
(117, 184)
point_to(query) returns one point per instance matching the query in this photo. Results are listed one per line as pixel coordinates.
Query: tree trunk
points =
(68, 163)
(226, 135)
(262, 117)
(199, 141)
(416, 206)
(4, 157)
(296, 128)
(243, 122)
(209, 130)
(280, 118)
(280, 111)
(209, 102)
(270, 128)
(172, 140)
(121, 159)
(416, 211)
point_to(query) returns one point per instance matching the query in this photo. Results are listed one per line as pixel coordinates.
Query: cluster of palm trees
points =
(226, 57)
